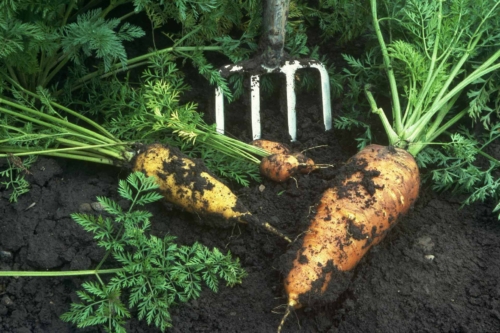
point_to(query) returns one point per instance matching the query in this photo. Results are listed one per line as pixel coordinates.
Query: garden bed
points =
(436, 271)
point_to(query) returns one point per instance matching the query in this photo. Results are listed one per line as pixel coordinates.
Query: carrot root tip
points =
(275, 231)
(287, 313)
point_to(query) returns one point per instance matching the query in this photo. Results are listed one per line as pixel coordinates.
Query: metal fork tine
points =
(325, 94)
(289, 69)
(255, 105)
(219, 110)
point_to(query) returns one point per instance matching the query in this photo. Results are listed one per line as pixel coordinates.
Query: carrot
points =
(306, 164)
(188, 184)
(380, 184)
(283, 164)
(191, 186)
(279, 167)
(181, 180)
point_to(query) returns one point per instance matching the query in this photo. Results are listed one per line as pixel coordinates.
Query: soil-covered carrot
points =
(356, 213)
(306, 164)
(279, 167)
(282, 164)
(379, 185)
(191, 186)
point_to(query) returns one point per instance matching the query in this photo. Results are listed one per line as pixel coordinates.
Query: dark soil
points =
(437, 270)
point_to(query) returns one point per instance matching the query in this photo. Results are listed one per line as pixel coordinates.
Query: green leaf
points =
(135, 179)
(157, 273)
(496, 209)
(125, 191)
(14, 175)
(92, 34)
(149, 198)
(110, 206)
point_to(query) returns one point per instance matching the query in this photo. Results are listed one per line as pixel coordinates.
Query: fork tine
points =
(288, 69)
(219, 110)
(255, 102)
(325, 94)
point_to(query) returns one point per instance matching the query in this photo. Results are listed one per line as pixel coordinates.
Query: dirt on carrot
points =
(189, 184)
(359, 208)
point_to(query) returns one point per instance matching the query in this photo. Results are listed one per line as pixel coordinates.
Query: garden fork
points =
(272, 60)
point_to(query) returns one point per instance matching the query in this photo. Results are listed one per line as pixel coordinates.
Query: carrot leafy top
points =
(436, 53)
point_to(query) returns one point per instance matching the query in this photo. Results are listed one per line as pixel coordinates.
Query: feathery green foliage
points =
(463, 166)
(150, 112)
(439, 60)
(14, 176)
(40, 38)
(342, 20)
(155, 273)
(67, 34)
(73, 34)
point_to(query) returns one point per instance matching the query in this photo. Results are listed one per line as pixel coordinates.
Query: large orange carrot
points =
(380, 185)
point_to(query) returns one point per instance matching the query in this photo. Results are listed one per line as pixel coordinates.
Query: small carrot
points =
(279, 167)
(283, 164)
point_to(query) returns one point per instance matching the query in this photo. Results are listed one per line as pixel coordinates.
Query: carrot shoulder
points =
(271, 146)
(382, 183)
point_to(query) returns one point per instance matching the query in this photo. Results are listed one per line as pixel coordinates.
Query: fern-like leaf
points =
(93, 34)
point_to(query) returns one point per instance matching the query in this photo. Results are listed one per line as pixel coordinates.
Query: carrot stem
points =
(60, 273)
(388, 68)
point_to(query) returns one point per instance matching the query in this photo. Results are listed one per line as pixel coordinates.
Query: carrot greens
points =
(156, 273)
(42, 40)
(441, 65)
(39, 126)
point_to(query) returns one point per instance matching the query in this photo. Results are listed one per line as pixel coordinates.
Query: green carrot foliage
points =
(155, 273)
(437, 63)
